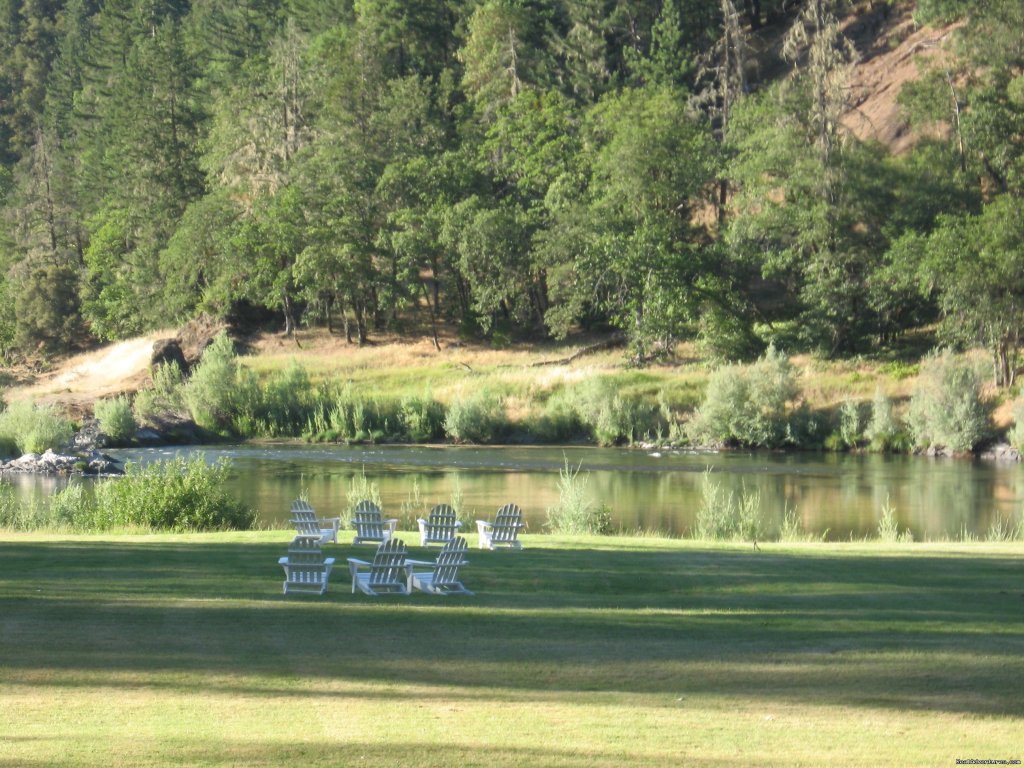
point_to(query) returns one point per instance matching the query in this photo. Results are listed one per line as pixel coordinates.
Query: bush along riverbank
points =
(768, 404)
(177, 495)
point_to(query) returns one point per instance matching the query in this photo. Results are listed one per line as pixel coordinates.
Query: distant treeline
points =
(521, 167)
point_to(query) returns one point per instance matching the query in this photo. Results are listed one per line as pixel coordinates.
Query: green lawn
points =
(181, 650)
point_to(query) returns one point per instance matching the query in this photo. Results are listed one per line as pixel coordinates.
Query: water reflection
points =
(659, 491)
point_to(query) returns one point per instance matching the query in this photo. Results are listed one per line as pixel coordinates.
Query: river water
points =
(835, 495)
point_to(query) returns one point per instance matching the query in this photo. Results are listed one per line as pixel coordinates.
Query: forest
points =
(511, 168)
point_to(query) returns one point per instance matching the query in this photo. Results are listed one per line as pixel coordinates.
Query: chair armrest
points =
(282, 560)
(357, 561)
(409, 563)
(458, 523)
(481, 524)
(328, 561)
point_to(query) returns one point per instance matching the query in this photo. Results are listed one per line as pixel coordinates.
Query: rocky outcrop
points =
(169, 351)
(1000, 452)
(50, 463)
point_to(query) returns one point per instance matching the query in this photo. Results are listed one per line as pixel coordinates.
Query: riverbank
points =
(316, 387)
(576, 651)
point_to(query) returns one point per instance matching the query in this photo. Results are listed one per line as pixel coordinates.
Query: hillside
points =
(485, 275)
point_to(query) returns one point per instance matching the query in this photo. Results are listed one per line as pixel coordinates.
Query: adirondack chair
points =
(370, 524)
(440, 527)
(305, 567)
(308, 524)
(443, 576)
(388, 574)
(504, 531)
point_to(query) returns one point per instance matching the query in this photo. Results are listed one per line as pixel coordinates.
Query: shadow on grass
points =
(925, 632)
(397, 752)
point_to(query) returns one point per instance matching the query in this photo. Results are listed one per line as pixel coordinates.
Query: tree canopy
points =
(512, 167)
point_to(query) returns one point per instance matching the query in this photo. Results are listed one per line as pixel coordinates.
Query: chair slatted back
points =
(442, 524)
(304, 519)
(449, 560)
(388, 567)
(368, 521)
(307, 527)
(507, 523)
(302, 508)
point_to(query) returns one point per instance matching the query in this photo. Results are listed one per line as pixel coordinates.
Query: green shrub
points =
(176, 495)
(947, 408)
(724, 515)
(850, 424)
(116, 419)
(422, 419)
(8, 506)
(888, 526)
(557, 421)
(19, 516)
(280, 407)
(792, 528)
(883, 431)
(336, 412)
(1016, 433)
(477, 418)
(32, 428)
(746, 404)
(575, 513)
(943, 11)
(164, 399)
(610, 417)
(72, 503)
(211, 393)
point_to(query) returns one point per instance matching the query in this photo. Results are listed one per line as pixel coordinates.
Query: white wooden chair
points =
(370, 524)
(305, 567)
(443, 576)
(440, 527)
(307, 523)
(388, 574)
(504, 531)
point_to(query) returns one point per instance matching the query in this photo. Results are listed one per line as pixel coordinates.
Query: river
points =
(837, 496)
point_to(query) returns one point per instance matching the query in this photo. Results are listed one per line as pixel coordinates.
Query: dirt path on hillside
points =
(107, 372)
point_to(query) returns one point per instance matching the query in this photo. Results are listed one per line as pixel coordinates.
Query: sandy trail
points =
(107, 372)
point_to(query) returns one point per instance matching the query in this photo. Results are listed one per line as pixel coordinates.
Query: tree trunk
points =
(289, 314)
(432, 307)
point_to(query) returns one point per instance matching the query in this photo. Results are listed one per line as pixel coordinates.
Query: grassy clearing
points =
(600, 651)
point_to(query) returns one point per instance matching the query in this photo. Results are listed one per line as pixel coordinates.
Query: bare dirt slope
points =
(78, 381)
(892, 54)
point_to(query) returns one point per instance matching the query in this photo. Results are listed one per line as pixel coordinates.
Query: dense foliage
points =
(26, 427)
(176, 495)
(510, 166)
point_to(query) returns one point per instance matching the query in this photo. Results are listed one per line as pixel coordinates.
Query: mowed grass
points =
(164, 650)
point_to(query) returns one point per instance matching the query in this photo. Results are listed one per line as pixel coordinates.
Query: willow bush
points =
(947, 408)
(576, 513)
(747, 405)
(164, 398)
(30, 428)
(116, 419)
(176, 495)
